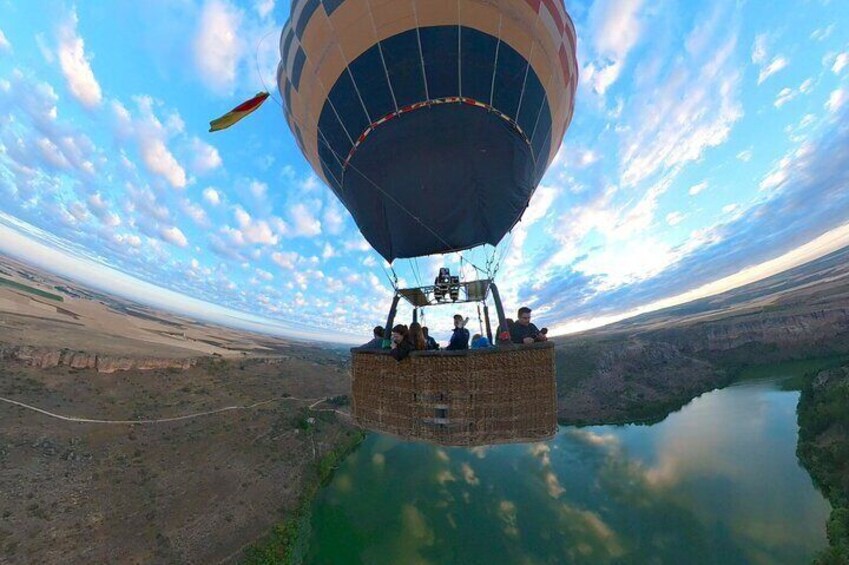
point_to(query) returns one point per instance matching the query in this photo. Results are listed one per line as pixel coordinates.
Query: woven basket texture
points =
(477, 397)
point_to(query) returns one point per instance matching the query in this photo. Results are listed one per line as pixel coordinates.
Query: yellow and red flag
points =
(238, 112)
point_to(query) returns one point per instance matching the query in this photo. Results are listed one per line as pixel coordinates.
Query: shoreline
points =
(289, 540)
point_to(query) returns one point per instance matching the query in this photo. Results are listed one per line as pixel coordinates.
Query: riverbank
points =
(823, 449)
(288, 542)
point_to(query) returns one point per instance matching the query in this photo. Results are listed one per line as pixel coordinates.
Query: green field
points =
(31, 290)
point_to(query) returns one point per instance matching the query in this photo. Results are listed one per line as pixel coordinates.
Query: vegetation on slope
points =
(823, 449)
(288, 542)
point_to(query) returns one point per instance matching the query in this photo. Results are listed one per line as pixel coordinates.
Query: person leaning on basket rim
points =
(401, 343)
(523, 331)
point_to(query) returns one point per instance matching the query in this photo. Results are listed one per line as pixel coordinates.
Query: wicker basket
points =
(474, 397)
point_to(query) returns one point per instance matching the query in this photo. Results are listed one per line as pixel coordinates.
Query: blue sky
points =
(709, 148)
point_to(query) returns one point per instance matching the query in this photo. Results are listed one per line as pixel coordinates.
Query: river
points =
(716, 482)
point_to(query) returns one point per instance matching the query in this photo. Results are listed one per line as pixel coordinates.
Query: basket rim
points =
(500, 349)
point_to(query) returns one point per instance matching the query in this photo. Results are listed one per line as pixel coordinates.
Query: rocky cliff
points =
(630, 380)
(780, 329)
(44, 357)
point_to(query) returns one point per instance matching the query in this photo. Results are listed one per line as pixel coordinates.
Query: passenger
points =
(401, 344)
(417, 337)
(431, 343)
(460, 335)
(504, 332)
(523, 331)
(377, 340)
(480, 342)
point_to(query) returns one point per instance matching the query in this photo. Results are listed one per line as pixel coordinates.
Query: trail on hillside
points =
(315, 402)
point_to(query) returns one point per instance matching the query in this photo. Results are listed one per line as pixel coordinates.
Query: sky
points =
(709, 148)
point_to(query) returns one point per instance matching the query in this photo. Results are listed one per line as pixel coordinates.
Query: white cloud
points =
(218, 46)
(159, 160)
(51, 153)
(305, 223)
(211, 196)
(679, 118)
(784, 96)
(255, 231)
(333, 218)
(674, 218)
(286, 259)
(836, 100)
(759, 53)
(78, 211)
(729, 208)
(614, 30)
(128, 239)
(822, 33)
(760, 56)
(745, 155)
(697, 188)
(95, 202)
(840, 62)
(264, 7)
(788, 94)
(774, 66)
(76, 66)
(206, 156)
(328, 251)
(195, 212)
(174, 236)
(100, 209)
(5, 46)
(258, 189)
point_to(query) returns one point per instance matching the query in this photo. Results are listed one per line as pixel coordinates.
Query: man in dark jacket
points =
(377, 341)
(460, 336)
(523, 331)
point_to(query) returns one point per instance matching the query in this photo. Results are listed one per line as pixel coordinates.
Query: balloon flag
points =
(433, 121)
(238, 112)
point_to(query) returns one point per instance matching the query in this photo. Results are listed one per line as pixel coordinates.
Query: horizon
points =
(110, 178)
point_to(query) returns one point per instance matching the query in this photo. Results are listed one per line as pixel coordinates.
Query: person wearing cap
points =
(460, 335)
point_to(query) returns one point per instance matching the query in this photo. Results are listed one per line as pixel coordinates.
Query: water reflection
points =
(717, 482)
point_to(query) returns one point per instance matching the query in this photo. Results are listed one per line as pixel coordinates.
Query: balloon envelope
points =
(433, 121)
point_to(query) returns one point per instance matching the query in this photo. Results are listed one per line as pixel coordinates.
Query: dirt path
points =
(314, 401)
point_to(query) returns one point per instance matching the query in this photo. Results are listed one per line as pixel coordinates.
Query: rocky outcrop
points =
(775, 329)
(631, 380)
(43, 357)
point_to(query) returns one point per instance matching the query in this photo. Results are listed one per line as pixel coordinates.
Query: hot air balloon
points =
(433, 122)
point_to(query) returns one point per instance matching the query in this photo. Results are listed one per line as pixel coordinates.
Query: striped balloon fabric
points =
(433, 121)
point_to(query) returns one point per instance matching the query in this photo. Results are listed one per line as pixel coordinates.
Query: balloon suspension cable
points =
(480, 319)
(259, 73)
(394, 284)
(503, 253)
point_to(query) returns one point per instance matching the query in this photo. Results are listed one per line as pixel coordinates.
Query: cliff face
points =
(629, 380)
(621, 377)
(776, 329)
(42, 357)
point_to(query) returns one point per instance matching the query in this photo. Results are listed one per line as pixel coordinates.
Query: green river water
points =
(717, 482)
